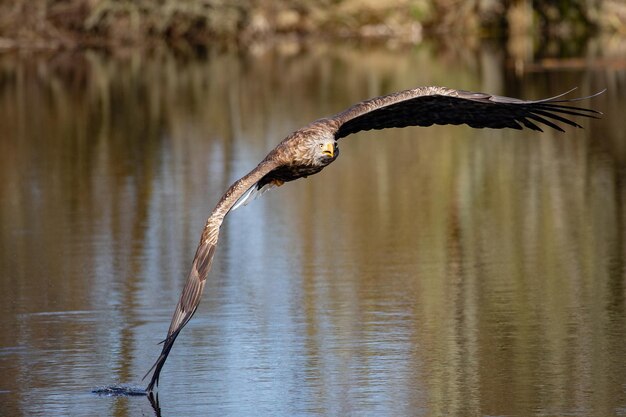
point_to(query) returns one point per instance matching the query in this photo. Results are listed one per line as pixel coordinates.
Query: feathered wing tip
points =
(158, 365)
(555, 98)
(557, 108)
(186, 307)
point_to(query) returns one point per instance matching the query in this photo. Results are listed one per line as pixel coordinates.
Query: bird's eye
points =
(321, 145)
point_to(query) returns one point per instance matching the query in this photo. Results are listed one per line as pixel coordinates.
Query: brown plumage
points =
(308, 150)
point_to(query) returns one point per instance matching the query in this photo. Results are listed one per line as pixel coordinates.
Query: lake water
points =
(438, 271)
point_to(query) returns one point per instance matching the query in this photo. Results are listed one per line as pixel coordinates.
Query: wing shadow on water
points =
(154, 402)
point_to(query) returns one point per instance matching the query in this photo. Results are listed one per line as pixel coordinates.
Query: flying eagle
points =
(308, 150)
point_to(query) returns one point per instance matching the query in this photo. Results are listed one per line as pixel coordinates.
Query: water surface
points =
(428, 272)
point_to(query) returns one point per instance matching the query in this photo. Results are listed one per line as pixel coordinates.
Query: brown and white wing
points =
(192, 292)
(425, 106)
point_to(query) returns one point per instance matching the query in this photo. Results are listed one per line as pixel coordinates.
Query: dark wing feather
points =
(186, 307)
(192, 292)
(426, 106)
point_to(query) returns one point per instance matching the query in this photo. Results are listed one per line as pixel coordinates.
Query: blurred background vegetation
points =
(72, 24)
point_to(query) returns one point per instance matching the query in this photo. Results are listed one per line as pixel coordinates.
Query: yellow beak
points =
(329, 149)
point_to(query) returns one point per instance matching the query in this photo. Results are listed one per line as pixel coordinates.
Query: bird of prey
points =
(308, 150)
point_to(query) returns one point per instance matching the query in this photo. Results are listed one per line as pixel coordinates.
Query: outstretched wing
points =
(425, 106)
(190, 297)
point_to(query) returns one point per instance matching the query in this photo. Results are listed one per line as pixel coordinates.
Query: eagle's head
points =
(311, 147)
(324, 150)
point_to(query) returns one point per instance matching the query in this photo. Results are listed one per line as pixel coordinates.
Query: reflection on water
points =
(439, 271)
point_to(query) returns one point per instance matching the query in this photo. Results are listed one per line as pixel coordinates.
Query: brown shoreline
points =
(80, 24)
